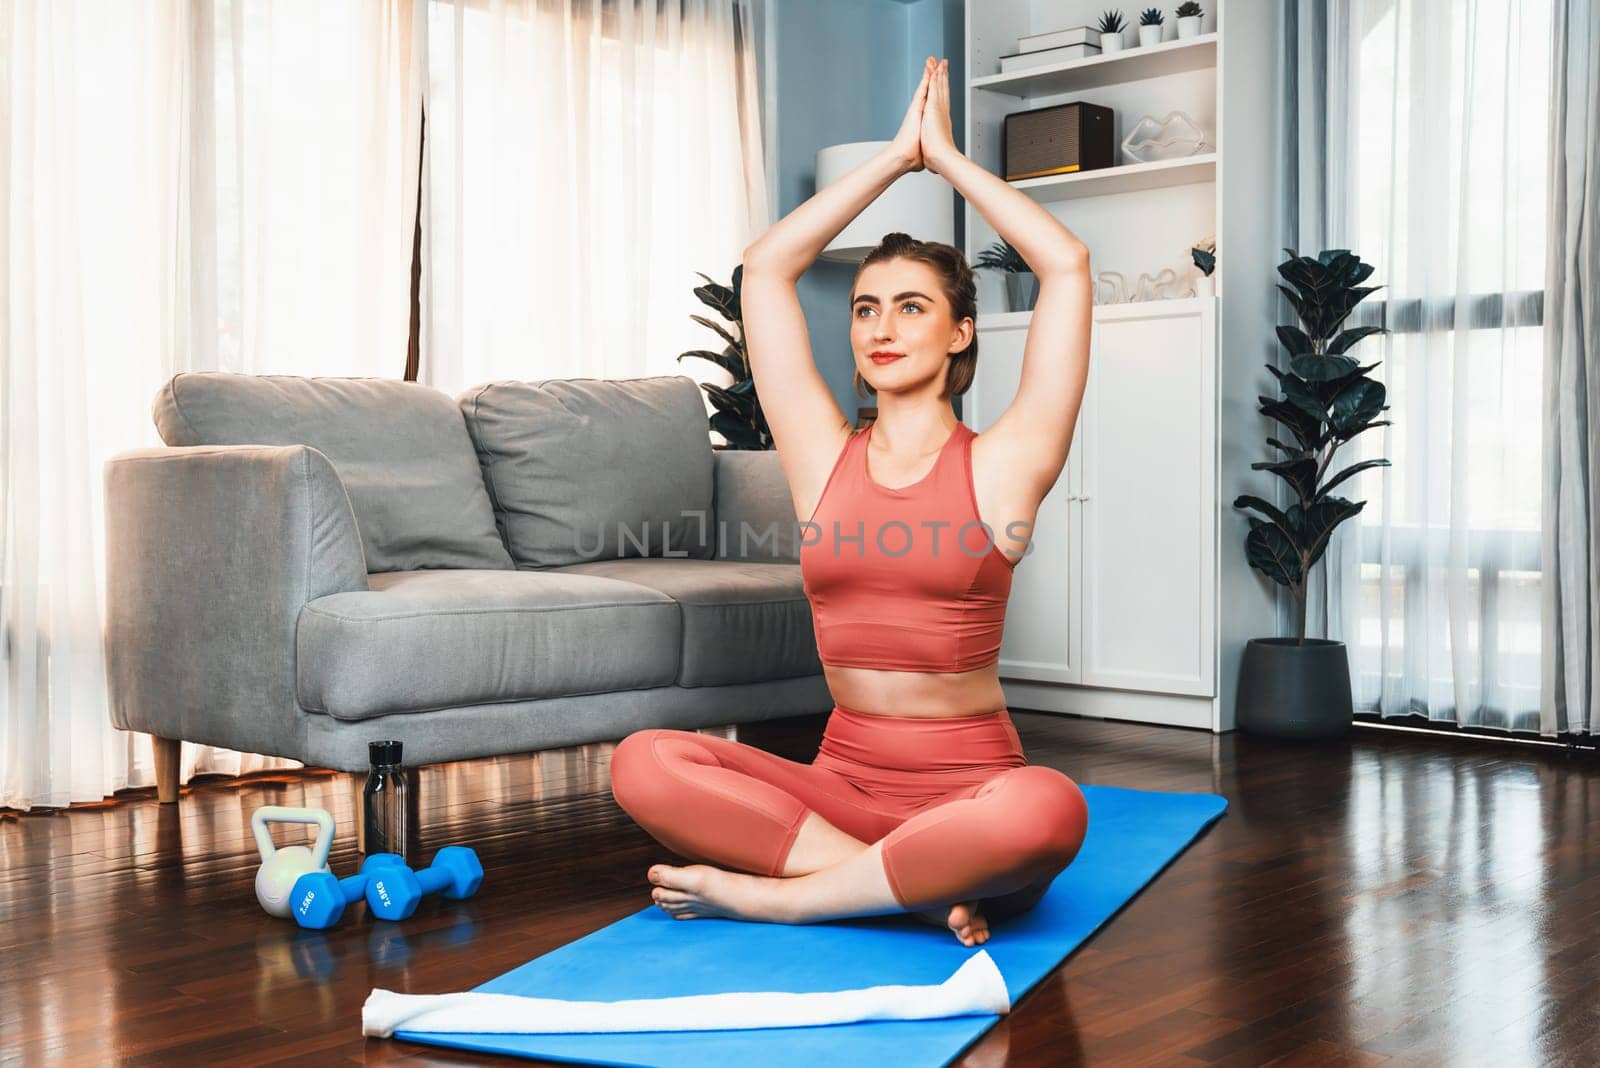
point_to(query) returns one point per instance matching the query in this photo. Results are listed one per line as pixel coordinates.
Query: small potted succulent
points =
(1110, 28)
(1150, 22)
(1189, 19)
(1022, 285)
(1205, 260)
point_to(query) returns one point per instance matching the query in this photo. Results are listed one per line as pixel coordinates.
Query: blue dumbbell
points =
(393, 893)
(318, 899)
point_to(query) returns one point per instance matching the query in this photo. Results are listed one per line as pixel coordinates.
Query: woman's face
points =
(899, 307)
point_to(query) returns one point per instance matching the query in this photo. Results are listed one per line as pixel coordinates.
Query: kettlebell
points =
(281, 867)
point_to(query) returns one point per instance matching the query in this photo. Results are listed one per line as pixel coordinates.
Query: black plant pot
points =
(1022, 290)
(1289, 690)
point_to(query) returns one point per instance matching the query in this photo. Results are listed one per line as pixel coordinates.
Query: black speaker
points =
(1061, 139)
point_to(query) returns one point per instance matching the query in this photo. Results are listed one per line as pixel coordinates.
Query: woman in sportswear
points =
(920, 798)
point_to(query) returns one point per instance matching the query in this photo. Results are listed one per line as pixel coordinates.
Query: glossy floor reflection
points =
(1392, 898)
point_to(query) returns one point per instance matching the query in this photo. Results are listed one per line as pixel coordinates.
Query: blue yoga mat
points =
(1132, 836)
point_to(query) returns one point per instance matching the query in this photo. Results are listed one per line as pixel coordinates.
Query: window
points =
(578, 178)
(1447, 123)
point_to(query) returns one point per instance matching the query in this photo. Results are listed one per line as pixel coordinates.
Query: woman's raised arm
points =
(1041, 239)
(808, 427)
(1035, 431)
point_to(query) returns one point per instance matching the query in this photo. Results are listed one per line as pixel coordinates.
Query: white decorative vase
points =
(1188, 26)
(1205, 285)
(1110, 42)
(1149, 35)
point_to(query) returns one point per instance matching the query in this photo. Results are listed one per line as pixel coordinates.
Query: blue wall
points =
(845, 70)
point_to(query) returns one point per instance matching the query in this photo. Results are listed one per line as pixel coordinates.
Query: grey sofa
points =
(314, 563)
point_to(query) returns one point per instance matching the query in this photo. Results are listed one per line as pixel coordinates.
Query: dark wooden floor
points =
(1391, 898)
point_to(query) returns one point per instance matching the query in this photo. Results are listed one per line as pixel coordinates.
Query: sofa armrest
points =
(754, 510)
(210, 553)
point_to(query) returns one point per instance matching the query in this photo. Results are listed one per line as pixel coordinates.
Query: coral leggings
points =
(962, 815)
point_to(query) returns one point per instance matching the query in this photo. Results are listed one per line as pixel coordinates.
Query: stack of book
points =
(1043, 49)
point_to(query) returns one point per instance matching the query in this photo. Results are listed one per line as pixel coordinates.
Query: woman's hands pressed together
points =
(907, 143)
(937, 139)
(925, 139)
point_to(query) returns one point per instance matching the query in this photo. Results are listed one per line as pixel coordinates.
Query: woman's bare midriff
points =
(929, 694)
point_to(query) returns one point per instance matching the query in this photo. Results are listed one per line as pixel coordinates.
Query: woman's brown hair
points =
(959, 289)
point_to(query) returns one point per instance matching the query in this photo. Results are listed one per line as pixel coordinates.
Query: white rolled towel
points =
(975, 987)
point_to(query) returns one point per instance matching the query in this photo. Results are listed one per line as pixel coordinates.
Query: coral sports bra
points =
(906, 579)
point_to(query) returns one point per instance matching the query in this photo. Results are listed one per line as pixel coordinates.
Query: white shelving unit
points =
(1135, 217)
(1136, 598)
(1126, 178)
(1116, 68)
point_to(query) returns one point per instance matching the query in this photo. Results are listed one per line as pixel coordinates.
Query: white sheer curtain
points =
(190, 186)
(585, 159)
(88, 112)
(303, 147)
(1436, 171)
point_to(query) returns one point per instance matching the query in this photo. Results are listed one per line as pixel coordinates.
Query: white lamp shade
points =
(919, 203)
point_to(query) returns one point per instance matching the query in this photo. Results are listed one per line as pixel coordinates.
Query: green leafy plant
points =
(1189, 8)
(1151, 16)
(1327, 400)
(1205, 256)
(1000, 256)
(1111, 22)
(738, 416)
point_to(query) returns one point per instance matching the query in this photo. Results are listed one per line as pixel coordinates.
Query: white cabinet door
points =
(1042, 638)
(1147, 516)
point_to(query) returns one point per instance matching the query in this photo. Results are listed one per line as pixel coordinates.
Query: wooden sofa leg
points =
(167, 752)
(358, 785)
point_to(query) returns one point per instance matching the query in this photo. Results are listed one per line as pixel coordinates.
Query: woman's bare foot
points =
(698, 890)
(857, 885)
(969, 924)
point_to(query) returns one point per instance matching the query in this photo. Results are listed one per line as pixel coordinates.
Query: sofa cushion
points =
(422, 640)
(401, 450)
(755, 511)
(588, 469)
(742, 621)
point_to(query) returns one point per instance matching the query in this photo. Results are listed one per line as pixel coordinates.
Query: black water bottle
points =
(383, 801)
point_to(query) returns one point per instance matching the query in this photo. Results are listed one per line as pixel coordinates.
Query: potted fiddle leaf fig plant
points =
(1022, 285)
(1205, 261)
(738, 416)
(1300, 687)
